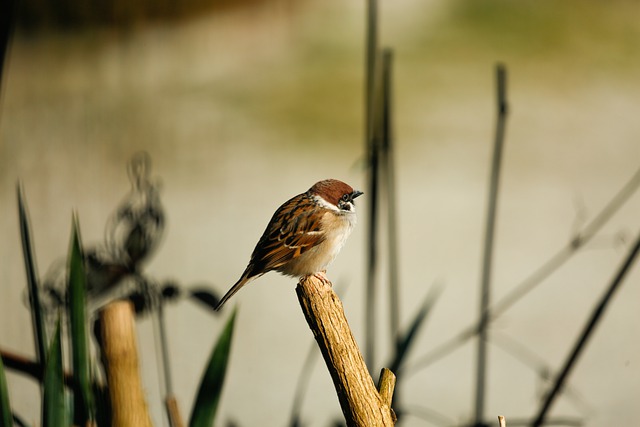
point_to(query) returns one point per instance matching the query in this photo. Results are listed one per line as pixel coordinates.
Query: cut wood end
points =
(386, 385)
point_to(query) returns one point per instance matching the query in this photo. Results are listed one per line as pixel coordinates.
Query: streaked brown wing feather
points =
(290, 233)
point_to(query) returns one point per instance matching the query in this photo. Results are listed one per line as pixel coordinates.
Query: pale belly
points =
(318, 258)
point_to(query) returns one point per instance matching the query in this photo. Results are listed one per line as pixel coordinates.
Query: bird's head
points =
(336, 194)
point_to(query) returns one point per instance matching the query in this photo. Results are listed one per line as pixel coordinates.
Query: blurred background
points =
(243, 104)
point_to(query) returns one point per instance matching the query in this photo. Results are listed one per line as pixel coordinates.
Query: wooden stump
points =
(362, 404)
(120, 352)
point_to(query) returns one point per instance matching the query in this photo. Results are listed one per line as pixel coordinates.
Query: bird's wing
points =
(294, 229)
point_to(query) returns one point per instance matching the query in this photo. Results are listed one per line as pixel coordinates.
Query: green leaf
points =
(5, 408)
(53, 406)
(206, 404)
(83, 396)
(40, 332)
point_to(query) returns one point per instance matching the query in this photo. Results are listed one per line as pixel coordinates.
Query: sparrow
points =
(304, 235)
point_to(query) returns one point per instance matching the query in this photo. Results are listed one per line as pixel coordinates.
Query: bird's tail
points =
(235, 288)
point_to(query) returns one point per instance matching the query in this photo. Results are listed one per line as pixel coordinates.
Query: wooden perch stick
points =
(362, 404)
(120, 352)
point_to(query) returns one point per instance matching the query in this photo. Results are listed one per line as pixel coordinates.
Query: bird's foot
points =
(322, 276)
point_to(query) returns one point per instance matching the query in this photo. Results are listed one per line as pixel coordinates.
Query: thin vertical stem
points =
(171, 404)
(164, 347)
(370, 64)
(586, 333)
(485, 297)
(372, 181)
(539, 275)
(372, 257)
(387, 163)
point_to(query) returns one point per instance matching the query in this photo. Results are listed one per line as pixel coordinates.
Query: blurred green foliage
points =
(54, 410)
(90, 397)
(544, 28)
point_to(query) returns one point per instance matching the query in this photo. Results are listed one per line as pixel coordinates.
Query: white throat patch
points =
(322, 202)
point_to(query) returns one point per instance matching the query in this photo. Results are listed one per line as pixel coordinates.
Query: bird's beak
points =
(355, 194)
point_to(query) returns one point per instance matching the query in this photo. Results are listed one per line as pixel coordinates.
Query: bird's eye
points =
(345, 198)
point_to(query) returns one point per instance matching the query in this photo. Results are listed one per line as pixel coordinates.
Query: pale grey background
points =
(242, 110)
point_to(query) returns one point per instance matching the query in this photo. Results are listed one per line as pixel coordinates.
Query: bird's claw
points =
(322, 276)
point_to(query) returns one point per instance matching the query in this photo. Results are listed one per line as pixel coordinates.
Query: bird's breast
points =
(336, 229)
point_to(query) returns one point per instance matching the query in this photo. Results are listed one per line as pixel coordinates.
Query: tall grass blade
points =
(487, 259)
(371, 152)
(372, 260)
(82, 396)
(5, 407)
(586, 333)
(54, 411)
(39, 330)
(564, 254)
(406, 340)
(206, 404)
(550, 266)
(388, 171)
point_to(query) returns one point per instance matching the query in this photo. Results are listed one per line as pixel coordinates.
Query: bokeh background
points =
(242, 105)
